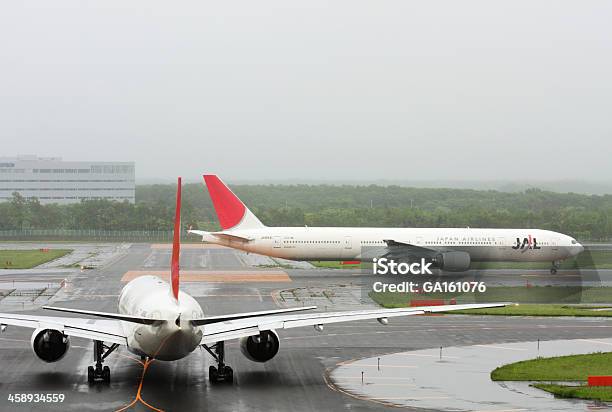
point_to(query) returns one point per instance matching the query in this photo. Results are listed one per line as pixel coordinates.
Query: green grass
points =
(600, 393)
(574, 368)
(333, 264)
(596, 259)
(569, 301)
(26, 259)
(537, 310)
(560, 368)
(528, 297)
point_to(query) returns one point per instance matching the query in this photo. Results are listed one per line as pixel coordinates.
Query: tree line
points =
(583, 216)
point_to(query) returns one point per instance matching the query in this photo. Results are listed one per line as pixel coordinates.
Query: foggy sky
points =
(324, 90)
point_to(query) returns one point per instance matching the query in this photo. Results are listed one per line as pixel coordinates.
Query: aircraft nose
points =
(577, 249)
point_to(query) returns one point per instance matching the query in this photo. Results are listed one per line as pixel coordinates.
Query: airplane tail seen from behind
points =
(176, 244)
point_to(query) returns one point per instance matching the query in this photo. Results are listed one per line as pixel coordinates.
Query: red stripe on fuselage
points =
(229, 208)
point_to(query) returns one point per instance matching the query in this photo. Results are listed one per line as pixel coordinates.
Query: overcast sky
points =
(327, 90)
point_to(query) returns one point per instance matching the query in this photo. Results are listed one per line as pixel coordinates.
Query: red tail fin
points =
(176, 243)
(232, 213)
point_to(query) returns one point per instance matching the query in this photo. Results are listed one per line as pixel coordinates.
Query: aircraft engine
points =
(49, 345)
(453, 261)
(260, 348)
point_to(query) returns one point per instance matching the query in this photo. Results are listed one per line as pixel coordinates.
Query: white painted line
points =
(427, 356)
(596, 341)
(501, 347)
(382, 366)
(501, 410)
(14, 340)
(368, 378)
(412, 398)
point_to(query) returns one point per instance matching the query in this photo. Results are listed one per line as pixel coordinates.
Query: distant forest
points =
(586, 217)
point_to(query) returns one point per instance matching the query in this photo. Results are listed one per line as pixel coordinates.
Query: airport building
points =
(53, 180)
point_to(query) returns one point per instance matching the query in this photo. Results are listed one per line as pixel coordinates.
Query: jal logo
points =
(526, 244)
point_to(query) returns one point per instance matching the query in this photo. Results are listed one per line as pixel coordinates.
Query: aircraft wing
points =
(400, 251)
(95, 329)
(244, 327)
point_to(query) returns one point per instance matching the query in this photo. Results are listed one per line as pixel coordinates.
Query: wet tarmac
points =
(457, 378)
(296, 379)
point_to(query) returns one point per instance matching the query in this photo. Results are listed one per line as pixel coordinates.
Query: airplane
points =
(448, 249)
(157, 320)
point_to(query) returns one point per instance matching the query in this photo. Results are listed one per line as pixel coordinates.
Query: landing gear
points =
(99, 373)
(222, 372)
(555, 266)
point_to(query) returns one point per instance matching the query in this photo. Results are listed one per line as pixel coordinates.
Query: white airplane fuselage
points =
(174, 336)
(347, 243)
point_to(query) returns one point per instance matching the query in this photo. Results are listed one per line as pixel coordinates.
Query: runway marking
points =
(188, 246)
(414, 398)
(102, 296)
(428, 356)
(27, 279)
(501, 410)
(374, 365)
(215, 276)
(14, 340)
(27, 340)
(366, 381)
(375, 377)
(235, 296)
(596, 341)
(500, 347)
(275, 300)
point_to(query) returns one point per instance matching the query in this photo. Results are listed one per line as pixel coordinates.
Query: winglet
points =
(176, 243)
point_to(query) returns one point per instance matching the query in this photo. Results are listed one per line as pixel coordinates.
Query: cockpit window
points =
(574, 241)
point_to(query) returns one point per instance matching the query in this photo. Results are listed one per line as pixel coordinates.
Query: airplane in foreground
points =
(449, 249)
(157, 320)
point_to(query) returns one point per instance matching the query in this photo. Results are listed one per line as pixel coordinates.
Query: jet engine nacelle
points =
(49, 345)
(453, 261)
(260, 348)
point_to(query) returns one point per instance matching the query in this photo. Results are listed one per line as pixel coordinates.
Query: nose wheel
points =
(221, 372)
(555, 265)
(98, 373)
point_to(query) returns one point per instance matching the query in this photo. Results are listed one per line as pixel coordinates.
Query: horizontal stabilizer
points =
(117, 316)
(235, 316)
(215, 236)
(231, 237)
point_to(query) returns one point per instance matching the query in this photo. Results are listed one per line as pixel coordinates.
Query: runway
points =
(296, 379)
